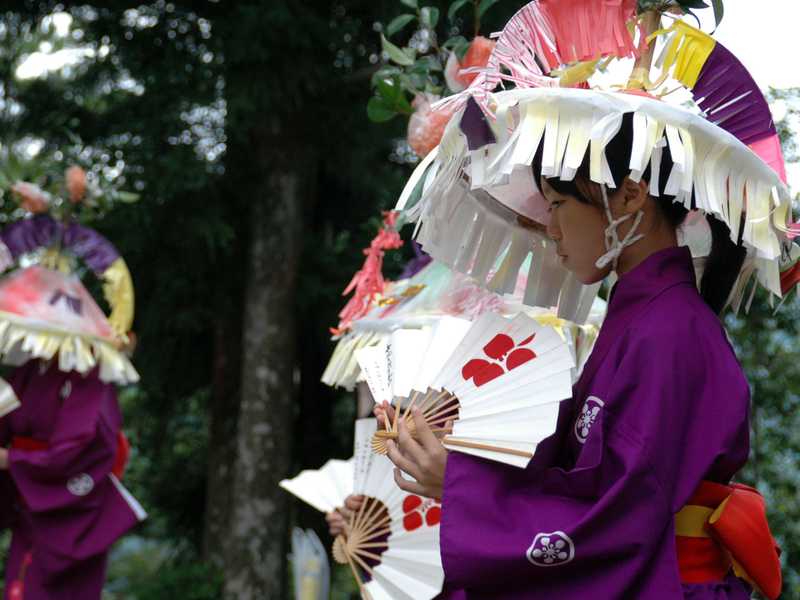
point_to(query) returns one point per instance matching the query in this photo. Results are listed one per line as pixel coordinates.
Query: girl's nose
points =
(553, 230)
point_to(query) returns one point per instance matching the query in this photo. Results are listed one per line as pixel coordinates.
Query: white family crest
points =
(551, 549)
(585, 420)
(80, 485)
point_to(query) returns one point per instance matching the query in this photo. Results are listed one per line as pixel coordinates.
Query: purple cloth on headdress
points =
(476, 129)
(722, 80)
(40, 231)
(416, 264)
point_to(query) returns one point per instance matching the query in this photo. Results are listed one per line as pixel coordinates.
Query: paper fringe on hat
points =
(499, 381)
(8, 398)
(435, 293)
(546, 34)
(42, 231)
(391, 543)
(48, 315)
(727, 179)
(404, 301)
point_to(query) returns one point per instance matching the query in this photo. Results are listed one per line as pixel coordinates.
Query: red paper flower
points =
(478, 53)
(426, 126)
(76, 183)
(31, 197)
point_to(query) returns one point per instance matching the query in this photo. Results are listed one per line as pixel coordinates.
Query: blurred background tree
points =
(245, 130)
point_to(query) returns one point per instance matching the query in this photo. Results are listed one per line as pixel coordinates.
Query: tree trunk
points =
(271, 171)
(256, 545)
(223, 417)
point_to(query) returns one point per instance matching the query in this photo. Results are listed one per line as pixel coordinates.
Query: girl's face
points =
(578, 229)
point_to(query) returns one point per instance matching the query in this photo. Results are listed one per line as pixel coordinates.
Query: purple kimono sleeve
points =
(668, 411)
(81, 450)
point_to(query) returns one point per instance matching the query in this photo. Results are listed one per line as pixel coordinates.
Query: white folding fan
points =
(391, 543)
(325, 488)
(499, 380)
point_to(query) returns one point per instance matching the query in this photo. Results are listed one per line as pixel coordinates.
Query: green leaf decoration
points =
(398, 23)
(426, 64)
(378, 110)
(484, 6)
(429, 16)
(396, 54)
(410, 3)
(127, 197)
(454, 8)
(719, 11)
(386, 72)
(458, 44)
(389, 89)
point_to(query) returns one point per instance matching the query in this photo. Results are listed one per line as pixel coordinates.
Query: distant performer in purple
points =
(62, 450)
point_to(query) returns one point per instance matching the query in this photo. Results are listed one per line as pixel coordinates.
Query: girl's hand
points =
(338, 519)
(424, 458)
(384, 413)
(3, 459)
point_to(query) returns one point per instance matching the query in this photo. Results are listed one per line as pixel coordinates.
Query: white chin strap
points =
(614, 246)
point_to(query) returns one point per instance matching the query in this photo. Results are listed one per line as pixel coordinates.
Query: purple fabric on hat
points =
(416, 264)
(476, 129)
(592, 516)
(40, 231)
(68, 507)
(91, 247)
(724, 78)
(29, 234)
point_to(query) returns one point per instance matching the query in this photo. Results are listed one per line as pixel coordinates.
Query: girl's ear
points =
(634, 195)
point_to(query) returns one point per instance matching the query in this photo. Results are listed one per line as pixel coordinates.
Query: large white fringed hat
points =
(477, 194)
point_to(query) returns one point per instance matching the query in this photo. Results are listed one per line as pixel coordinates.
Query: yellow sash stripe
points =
(691, 521)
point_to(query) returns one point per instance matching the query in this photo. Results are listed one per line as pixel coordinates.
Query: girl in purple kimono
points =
(62, 455)
(631, 497)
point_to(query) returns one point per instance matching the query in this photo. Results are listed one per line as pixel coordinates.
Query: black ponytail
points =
(722, 265)
(726, 258)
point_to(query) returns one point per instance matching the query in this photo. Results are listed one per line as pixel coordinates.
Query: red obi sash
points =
(725, 527)
(21, 442)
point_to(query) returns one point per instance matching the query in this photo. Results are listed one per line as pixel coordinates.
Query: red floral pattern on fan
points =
(482, 371)
(418, 511)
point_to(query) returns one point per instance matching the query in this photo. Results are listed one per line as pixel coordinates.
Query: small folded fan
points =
(392, 542)
(499, 380)
(325, 488)
(310, 568)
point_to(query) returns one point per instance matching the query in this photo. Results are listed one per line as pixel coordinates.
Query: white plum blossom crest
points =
(551, 549)
(585, 420)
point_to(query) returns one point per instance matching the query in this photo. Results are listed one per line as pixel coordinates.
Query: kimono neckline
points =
(653, 275)
(632, 294)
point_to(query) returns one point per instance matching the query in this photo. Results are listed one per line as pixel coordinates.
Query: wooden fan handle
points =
(478, 446)
(393, 435)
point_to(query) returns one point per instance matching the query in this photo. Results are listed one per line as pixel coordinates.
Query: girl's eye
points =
(553, 205)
